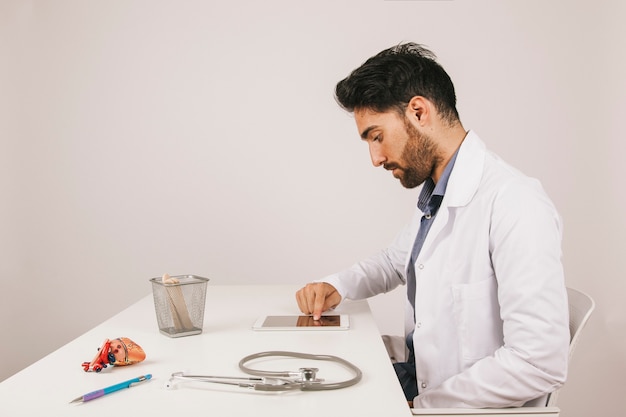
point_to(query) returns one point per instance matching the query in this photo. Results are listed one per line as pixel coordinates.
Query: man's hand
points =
(317, 297)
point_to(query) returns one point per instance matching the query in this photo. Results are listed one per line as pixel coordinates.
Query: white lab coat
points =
(491, 316)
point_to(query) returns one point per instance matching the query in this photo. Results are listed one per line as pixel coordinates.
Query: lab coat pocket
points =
(477, 315)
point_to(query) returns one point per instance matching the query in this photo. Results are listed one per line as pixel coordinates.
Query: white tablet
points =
(288, 322)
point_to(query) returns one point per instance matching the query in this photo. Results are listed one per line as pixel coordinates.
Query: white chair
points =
(581, 306)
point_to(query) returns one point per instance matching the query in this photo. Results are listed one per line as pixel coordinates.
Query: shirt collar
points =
(426, 202)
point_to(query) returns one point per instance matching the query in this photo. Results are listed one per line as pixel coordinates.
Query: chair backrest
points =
(581, 306)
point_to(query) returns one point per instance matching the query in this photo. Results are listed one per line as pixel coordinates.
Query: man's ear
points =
(418, 110)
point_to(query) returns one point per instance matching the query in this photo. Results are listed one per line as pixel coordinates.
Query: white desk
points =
(46, 387)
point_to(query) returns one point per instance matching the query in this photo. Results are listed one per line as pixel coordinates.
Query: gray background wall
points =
(143, 137)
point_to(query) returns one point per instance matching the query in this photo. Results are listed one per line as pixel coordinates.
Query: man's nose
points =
(377, 156)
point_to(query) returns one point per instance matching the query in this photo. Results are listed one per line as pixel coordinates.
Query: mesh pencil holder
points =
(179, 307)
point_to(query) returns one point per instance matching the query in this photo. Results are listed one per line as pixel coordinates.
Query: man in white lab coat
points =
(488, 318)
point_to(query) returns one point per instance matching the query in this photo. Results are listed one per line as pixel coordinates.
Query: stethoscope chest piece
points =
(309, 375)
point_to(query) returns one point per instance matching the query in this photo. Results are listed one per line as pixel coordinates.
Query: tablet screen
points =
(301, 321)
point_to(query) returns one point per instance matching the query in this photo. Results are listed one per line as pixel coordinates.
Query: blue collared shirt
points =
(428, 202)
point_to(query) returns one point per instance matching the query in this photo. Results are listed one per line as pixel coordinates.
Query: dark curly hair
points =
(390, 79)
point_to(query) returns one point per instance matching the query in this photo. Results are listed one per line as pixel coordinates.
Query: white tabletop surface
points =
(47, 386)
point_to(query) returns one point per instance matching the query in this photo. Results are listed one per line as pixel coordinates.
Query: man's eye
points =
(377, 138)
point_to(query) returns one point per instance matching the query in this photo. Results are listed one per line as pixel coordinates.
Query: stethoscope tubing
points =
(304, 385)
(277, 381)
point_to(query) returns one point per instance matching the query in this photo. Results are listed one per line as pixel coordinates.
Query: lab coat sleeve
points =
(525, 248)
(377, 274)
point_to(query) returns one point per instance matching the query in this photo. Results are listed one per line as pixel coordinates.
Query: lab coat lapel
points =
(462, 185)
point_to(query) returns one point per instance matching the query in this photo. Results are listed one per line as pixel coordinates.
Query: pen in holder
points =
(179, 304)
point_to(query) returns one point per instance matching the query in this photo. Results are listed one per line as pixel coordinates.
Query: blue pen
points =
(108, 390)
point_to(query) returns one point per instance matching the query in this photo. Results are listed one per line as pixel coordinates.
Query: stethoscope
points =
(305, 379)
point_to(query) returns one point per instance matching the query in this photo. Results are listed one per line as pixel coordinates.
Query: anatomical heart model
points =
(118, 352)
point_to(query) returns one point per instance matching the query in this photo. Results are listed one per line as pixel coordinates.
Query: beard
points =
(418, 159)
